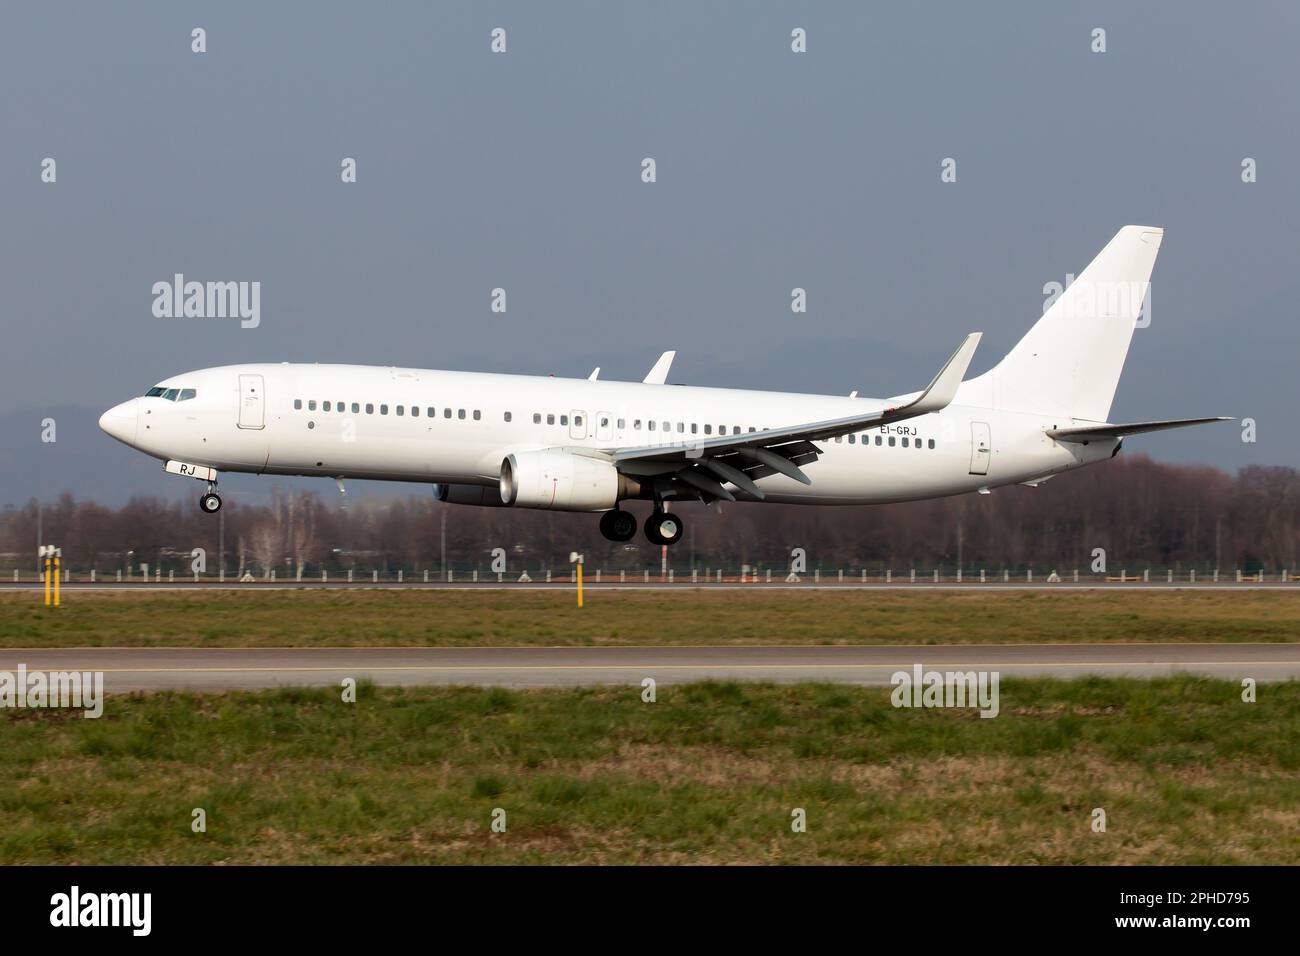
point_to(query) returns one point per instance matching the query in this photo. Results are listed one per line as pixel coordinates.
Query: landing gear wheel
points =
(663, 528)
(210, 503)
(618, 525)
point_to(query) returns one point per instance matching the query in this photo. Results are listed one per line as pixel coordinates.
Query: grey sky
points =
(521, 170)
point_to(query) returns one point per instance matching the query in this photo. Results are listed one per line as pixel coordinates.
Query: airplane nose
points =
(120, 421)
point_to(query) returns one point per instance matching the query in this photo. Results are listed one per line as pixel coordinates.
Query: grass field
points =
(709, 773)
(689, 616)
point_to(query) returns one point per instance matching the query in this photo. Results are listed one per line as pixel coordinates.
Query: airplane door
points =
(604, 426)
(980, 447)
(251, 402)
(577, 424)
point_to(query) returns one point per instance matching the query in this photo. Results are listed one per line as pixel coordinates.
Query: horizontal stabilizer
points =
(1090, 432)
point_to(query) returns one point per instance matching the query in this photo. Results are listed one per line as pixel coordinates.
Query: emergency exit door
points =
(980, 448)
(252, 403)
(577, 425)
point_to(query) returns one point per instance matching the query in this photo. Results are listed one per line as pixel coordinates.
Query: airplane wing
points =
(1090, 432)
(697, 468)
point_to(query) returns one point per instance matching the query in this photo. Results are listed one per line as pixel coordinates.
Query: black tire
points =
(663, 528)
(210, 503)
(618, 525)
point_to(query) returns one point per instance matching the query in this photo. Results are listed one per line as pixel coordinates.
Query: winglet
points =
(595, 374)
(659, 374)
(943, 389)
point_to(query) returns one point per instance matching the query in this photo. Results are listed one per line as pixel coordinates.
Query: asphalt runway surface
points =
(682, 584)
(217, 669)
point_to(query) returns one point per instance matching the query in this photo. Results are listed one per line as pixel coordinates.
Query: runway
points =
(219, 669)
(970, 586)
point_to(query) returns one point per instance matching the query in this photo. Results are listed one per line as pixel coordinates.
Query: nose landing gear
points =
(210, 501)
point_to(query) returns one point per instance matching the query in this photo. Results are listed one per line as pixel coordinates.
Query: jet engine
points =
(560, 481)
(468, 495)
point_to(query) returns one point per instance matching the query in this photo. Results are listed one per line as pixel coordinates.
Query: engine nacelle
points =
(560, 481)
(484, 495)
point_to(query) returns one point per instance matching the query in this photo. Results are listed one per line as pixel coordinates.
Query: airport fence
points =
(661, 574)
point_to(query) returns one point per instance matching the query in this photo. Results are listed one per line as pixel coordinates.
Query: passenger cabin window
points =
(311, 405)
(297, 403)
(564, 419)
(877, 439)
(853, 439)
(370, 408)
(507, 416)
(401, 409)
(478, 415)
(324, 406)
(931, 442)
(460, 413)
(383, 409)
(430, 412)
(904, 442)
(446, 413)
(537, 418)
(415, 411)
(891, 441)
(356, 407)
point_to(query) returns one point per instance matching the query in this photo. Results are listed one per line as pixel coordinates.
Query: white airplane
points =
(588, 445)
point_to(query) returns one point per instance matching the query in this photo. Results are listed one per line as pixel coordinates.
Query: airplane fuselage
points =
(404, 424)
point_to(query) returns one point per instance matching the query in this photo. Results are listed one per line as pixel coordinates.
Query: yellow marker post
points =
(56, 579)
(46, 578)
(579, 584)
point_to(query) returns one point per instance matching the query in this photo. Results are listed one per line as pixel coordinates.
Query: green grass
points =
(688, 616)
(1185, 771)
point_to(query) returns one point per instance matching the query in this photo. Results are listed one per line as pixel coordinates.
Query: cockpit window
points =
(171, 394)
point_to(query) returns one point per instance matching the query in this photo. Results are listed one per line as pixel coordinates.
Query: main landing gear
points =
(660, 528)
(663, 528)
(210, 501)
(618, 525)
